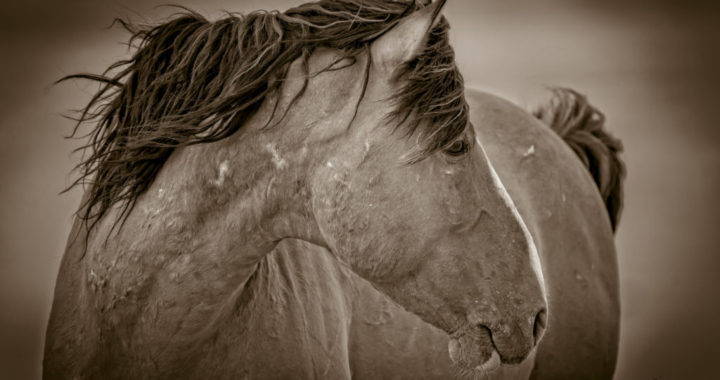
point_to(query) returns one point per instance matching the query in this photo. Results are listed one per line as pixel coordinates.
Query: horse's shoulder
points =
(66, 350)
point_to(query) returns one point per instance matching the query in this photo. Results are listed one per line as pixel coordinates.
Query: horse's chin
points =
(471, 349)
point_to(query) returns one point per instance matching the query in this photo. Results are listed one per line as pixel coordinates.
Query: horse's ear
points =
(406, 40)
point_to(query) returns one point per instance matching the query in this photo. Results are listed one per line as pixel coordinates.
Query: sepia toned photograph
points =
(365, 189)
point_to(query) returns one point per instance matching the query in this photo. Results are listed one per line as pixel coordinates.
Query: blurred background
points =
(653, 67)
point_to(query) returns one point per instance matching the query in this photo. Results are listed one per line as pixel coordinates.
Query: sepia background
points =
(653, 67)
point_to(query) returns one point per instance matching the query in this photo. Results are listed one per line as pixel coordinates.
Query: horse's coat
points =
(316, 242)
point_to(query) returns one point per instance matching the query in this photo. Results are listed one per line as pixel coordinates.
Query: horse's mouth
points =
(471, 348)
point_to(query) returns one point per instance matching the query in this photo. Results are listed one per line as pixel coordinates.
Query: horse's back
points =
(565, 214)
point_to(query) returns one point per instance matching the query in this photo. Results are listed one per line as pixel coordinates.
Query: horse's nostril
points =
(539, 326)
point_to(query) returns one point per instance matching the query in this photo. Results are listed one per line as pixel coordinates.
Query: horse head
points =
(404, 194)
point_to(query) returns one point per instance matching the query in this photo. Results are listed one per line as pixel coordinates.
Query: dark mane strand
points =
(193, 81)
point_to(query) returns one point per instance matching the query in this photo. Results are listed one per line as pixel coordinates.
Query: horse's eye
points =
(458, 148)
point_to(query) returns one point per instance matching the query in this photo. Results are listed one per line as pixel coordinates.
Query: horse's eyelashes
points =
(458, 148)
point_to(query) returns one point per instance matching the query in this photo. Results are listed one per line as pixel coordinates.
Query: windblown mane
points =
(193, 81)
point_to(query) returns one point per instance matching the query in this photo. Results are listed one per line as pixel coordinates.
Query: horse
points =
(315, 194)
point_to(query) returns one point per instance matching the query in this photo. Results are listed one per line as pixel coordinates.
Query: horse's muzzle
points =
(476, 346)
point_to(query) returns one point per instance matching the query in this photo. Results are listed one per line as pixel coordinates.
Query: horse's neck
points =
(196, 236)
(296, 312)
(188, 246)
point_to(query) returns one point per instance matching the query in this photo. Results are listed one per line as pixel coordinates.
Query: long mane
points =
(190, 81)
